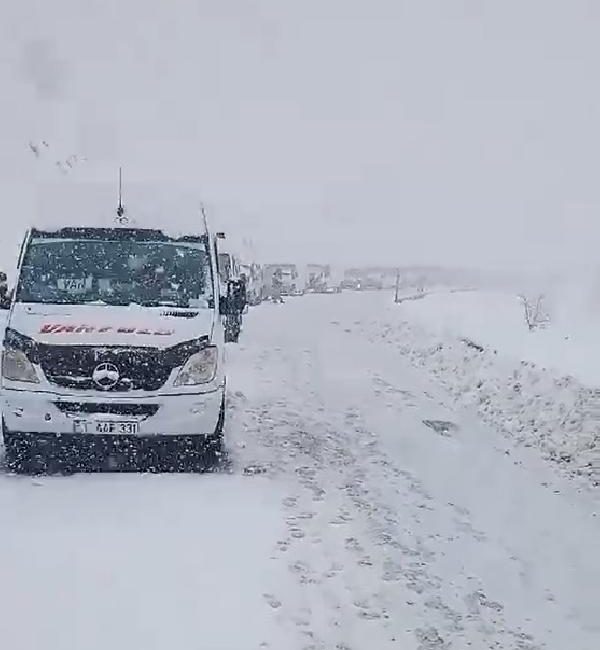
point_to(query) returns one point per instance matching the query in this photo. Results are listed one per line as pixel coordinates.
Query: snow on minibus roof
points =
(116, 233)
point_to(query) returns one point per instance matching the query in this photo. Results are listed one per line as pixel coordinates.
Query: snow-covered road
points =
(386, 519)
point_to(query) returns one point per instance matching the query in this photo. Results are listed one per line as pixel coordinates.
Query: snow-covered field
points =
(395, 511)
(496, 320)
(539, 388)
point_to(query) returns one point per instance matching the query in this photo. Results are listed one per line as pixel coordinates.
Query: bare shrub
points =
(535, 314)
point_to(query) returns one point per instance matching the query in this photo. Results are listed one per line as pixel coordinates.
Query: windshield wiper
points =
(172, 304)
(50, 301)
(125, 302)
(109, 302)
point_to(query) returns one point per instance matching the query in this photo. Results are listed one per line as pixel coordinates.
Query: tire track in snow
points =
(360, 545)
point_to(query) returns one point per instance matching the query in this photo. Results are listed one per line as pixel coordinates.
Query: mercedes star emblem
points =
(105, 376)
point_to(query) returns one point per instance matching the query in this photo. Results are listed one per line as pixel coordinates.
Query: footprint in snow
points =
(430, 639)
(334, 570)
(368, 613)
(443, 427)
(272, 601)
(392, 571)
(342, 517)
(306, 515)
(451, 615)
(301, 622)
(467, 527)
(459, 509)
(478, 599)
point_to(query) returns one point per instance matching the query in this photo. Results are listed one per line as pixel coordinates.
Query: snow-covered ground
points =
(389, 516)
(496, 319)
(123, 562)
(539, 388)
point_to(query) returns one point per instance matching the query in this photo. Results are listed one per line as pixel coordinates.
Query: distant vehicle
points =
(233, 285)
(114, 350)
(334, 284)
(350, 283)
(369, 278)
(369, 284)
(229, 267)
(319, 279)
(317, 276)
(254, 283)
(286, 280)
(352, 279)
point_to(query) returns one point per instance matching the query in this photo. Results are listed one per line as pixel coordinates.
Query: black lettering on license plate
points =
(122, 428)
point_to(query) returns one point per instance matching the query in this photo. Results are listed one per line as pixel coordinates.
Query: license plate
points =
(106, 427)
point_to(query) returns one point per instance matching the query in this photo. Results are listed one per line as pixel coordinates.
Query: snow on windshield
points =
(115, 272)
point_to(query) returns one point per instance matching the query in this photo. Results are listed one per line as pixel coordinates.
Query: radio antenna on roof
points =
(121, 217)
(120, 208)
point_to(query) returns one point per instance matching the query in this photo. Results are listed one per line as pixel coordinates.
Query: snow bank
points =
(538, 388)
(497, 320)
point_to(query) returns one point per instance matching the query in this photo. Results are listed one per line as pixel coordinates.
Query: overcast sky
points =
(462, 132)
